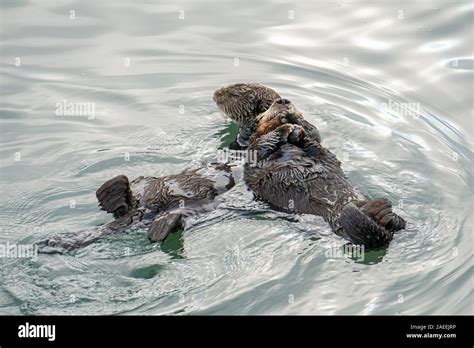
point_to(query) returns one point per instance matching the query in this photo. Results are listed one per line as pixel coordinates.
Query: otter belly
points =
(291, 181)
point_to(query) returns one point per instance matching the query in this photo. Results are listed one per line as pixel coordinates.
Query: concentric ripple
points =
(389, 88)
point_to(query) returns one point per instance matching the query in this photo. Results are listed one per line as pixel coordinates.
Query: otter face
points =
(243, 102)
(282, 111)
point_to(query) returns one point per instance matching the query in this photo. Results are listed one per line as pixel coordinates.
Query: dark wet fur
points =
(160, 204)
(115, 196)
(292, 166)
(243, 103)
(295, 173)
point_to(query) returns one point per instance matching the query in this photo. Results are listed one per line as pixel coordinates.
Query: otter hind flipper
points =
(115, 196)
(380, 210)
(164, 225)
(361, 229)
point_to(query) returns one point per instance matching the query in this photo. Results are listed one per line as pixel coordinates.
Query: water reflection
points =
(151, 68)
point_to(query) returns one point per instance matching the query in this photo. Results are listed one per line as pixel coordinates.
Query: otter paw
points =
(285, 130)
(290, 118)
(297, 135)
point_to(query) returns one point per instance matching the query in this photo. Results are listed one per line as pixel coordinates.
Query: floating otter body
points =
(295, 173)
(160, 204)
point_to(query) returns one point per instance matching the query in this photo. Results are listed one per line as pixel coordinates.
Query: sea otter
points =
(295, 173)
(243, 103)
(160, 204)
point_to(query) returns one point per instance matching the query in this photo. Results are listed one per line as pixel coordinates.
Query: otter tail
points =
(370, 223)
(115, 196)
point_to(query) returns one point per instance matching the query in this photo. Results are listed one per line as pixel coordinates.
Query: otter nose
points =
(283, 101)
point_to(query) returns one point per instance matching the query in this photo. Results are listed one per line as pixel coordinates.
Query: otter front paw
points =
(285, 130)
(290, 118)
(297, 135)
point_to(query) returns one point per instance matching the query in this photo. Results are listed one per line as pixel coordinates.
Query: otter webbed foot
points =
(115, 196)
(370, 223)
(164, 225)
(361, 229)
(380, 210)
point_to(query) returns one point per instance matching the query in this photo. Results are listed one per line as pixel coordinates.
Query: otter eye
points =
(284, 120)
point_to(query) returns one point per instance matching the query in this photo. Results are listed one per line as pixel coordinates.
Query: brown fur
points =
(244, 103)
(295, 173)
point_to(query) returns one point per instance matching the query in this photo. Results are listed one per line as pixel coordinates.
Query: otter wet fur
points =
(296, 174)
(162, 205)
(244, 103)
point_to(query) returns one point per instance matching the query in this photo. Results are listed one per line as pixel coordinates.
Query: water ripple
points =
(389, 87)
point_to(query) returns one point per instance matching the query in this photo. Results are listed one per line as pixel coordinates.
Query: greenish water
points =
(389, 84)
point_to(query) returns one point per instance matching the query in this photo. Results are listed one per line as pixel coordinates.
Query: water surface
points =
(150, 68)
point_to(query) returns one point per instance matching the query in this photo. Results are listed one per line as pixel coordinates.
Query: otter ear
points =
(164, 225)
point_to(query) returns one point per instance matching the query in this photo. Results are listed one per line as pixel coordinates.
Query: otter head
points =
(243, 102)
(282, 111)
